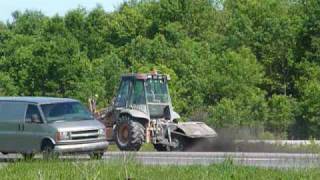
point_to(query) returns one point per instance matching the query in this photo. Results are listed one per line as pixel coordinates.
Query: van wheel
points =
(47, 151)
(28, 156)
(96, 155)
(4, 153)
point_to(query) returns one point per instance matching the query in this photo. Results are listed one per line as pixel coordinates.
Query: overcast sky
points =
(52, 7)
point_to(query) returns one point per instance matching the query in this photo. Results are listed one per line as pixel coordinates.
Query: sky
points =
(52, 7)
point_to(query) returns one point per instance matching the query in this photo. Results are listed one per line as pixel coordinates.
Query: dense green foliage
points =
(232, 63)
(128, 170)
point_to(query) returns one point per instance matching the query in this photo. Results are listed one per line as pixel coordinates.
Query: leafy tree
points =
(309, 44)
(269, 30)
(112, 70)
(28, 22)
(125, 25)
(7, 87)
(282, 111)
(237, 63)
(247, 110)
(232, 91)
(75, 22)
(232, 74)
(310, 109)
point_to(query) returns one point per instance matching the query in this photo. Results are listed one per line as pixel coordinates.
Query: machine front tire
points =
(129, 134)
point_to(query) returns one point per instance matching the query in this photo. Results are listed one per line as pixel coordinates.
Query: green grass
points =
(145, 147)
(128, 170)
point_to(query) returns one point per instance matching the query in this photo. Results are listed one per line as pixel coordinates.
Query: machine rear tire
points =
(181, 142)
(160, 147)
(129, 134)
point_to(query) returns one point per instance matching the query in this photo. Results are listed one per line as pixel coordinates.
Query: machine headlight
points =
(63, 136)
(102, 132)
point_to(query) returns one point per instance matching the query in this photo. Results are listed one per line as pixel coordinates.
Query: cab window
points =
(138, 96)
(33, 114)
(123, 94)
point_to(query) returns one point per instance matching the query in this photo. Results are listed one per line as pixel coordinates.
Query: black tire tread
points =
(136, 135)
(183, 143)
(96, 155)
(49, 155)
(160, 147)
(28, 156)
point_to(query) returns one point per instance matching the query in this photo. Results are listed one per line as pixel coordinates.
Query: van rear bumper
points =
(76, 148)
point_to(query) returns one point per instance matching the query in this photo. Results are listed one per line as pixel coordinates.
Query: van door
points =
(32, 130)
(11, 113)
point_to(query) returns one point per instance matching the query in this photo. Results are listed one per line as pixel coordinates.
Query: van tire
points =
(96, 155)
(47, 151)
(28, 156)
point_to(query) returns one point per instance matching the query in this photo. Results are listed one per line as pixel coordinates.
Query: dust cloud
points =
(228, 141)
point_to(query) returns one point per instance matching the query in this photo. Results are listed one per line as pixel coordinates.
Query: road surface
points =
(274, 160)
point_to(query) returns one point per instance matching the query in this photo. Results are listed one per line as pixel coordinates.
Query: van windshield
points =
(67, 111)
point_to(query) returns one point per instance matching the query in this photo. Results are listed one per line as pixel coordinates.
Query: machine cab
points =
(142, 112)
(147, 93)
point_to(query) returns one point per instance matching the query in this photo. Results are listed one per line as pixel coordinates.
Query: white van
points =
(29, 125)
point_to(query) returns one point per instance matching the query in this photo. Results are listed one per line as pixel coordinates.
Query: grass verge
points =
(147, 147)
(128, 170)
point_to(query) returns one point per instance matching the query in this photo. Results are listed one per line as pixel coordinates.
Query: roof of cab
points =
(37, 100)
(143, 76)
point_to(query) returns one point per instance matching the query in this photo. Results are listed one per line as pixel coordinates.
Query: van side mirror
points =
(35, 119)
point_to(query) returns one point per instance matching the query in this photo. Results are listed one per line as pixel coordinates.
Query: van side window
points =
(12, 111)
(33, 114)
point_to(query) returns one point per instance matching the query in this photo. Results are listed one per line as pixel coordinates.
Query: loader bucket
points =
(195, 130)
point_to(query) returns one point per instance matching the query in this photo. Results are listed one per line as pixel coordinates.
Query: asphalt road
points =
(274, 160)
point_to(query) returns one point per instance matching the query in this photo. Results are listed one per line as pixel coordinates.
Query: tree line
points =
(232, 62)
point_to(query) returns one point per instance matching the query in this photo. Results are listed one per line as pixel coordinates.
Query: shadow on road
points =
(13, 158)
